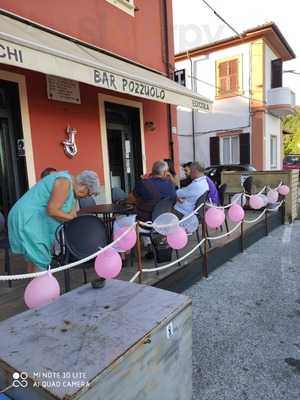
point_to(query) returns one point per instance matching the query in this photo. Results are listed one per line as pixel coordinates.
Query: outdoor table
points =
(122, 342)
(107, 211)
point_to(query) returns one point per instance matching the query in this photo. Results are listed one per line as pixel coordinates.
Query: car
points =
(215, 171)
(291, 161)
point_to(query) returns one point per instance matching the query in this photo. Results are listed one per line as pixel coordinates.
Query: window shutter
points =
(276, 73)
(233, 73)
(214, 147)
(245, 148)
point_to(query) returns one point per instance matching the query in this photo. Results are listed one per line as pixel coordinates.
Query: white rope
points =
(251, 221)
(220, 207)
(150, 224)
(225, 234)
(135, 276)
(276, 208)
(176, 261)
(67, 266)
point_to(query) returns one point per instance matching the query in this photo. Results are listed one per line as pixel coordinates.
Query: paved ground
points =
(246, 323)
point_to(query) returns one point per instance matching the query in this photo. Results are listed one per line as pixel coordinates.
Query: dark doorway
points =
(13, 173)
(124, 145)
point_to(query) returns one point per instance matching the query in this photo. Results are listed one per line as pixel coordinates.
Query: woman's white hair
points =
(91, 180)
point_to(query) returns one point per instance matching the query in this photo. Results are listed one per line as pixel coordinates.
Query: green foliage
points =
(291, 142)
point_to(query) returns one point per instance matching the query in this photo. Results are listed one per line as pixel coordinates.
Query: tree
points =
(291, 124)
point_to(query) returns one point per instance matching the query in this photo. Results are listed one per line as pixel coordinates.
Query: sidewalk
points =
(246, 323)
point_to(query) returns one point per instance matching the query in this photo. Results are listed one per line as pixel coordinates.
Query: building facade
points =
(243, 76)
(86, 86)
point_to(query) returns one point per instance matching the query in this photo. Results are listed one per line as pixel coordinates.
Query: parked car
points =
(291, 161)
(215, 171)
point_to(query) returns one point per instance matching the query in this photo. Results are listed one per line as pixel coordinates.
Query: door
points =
(121, 161)
(124, 146)
(13, 173)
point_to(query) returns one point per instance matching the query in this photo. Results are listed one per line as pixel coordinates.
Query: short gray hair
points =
(91, 180)
(159, 167)
(196, 166)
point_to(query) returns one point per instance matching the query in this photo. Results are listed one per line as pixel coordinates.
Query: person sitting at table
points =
(148, 192)
(188, 196)
(33, 220)
(187, 172)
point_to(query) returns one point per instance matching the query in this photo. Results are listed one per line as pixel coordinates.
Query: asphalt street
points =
(246, 323)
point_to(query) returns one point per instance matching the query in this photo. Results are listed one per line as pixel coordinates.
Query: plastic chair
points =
(163, 206)
(222, 190)
(200, 215)
(86, 202)
(247, 185)
(79, 238)
(4, 245)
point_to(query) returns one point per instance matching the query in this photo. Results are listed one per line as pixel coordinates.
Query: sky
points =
(195, 25)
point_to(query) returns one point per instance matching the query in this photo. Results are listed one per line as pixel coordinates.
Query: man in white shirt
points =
(188, 196)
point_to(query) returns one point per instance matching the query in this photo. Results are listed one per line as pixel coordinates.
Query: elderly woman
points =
(34, 218)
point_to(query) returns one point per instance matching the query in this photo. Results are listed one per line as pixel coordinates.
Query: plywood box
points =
(124, 341)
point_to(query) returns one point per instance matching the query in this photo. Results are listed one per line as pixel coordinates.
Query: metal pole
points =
(205, 258)
(242, 237)
(267, 223)
(138, 252)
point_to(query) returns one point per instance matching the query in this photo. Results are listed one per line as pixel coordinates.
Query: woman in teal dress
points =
(34, 218)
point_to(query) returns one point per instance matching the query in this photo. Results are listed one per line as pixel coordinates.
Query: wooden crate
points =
(124, 341)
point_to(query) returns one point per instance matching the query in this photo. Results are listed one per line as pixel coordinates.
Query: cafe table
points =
(108, 212)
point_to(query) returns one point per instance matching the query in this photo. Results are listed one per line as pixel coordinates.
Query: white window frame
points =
(124, 5)
(273, 163)
(230, 149)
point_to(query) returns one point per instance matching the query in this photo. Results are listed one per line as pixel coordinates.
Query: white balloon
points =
(190, 225)
(165, 223)
(272, 196)
(237, 198)
(265, 199)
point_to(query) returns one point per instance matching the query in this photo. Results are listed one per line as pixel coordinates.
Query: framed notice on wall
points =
(61, 89)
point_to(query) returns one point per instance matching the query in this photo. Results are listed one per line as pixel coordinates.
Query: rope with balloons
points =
(108, 262)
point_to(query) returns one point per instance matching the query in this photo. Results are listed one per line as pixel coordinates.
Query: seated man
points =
(187, 172)
(148, 192)
(188, 196)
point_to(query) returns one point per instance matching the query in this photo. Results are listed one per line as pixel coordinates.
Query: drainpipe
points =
(193, 111)
(169, 69)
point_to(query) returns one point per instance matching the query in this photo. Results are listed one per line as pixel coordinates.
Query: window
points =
(228, 77)
(276, 67)
(273, 151)
(124, 5)
(230, 150)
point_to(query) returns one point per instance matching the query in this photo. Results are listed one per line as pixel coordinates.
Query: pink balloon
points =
(108, 264)
(272, 196)
(214, 217)
(41, 291)
(284, 190)
(256, 202)
(178, 239)
(236, 213)
(128, 241)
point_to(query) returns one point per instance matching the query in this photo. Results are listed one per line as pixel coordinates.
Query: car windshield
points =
(293, 159)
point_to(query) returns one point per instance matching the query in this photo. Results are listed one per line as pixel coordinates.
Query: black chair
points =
(222, 191)
(247, 185)
(4, 245)
(79, 238)
(159, 254)
(200, 215)
(86, 202)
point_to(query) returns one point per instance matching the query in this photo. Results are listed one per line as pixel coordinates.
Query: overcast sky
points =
(196, 25)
